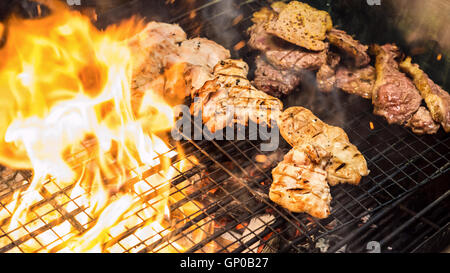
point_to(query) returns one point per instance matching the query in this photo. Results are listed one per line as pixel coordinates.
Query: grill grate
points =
(229, 188)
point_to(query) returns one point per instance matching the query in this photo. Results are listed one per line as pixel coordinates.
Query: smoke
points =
(221, 18)
(424, 20)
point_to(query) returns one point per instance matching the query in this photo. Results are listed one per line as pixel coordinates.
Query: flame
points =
(65, 92)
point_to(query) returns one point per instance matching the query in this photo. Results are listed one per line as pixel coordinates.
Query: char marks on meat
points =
(300, 126)
(282, 54)
(437, 100)
(230, 98)
(350, 46)
(299, 182)
(356, 81)
(273, 81)
(394, 96)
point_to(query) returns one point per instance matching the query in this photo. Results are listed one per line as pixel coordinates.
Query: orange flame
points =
(65, 83)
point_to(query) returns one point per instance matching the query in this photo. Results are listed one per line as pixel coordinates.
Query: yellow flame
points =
(65, 83)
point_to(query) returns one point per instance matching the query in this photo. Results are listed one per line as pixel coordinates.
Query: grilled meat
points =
(163, 59)
(200, 56)
(299, 126)
(301, 24)
(350, 46)
(282, 54)
(154, 49)
(326, 78)
(437, 100)
(204, 52)
(299, 182)
(296, 59)
(394, 96)
(422, 122)
(230, 98)
(333, 59)
(356, 81)
(273, 81)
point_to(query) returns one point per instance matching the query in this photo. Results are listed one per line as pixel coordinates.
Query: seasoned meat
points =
(273, 81)
(350, 46)
(302, 25)
(230, 98)
(422, 122)
(164, 60)
(326, 78)
(394, 96)
(204, 52)
(196, 76)
(300, 126)
(299, 182)
(437, 100)
(282, 54)
(356, 81)
(296, 59)
(333, 59)
(263, 41)
(200, 56)
(153, 50)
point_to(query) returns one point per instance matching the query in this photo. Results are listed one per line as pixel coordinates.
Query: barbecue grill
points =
(402, 206)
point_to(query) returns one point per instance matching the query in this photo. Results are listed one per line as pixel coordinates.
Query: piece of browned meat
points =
(296, 59)
(301, 24)
(422, 122)
(437, 100)
(356, 81)
(230, 98)
(394, 96)
(300, 126)
(299, 182)
(273, 81)
(353, 48)
(326, 78)
(282, 54)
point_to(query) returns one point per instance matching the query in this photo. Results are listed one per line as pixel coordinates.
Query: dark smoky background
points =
(420, 28)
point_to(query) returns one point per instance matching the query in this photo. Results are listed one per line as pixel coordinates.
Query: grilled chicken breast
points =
(300, 126)
(230, 98)
(299, 182)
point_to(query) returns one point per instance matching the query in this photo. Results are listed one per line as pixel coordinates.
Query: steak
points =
(282, 54)
(326, 78)
(273, 81)
(394, 96)
(356, 81)
(422, 122)
(351, 47)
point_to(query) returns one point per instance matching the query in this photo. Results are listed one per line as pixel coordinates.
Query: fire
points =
(65, 92)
